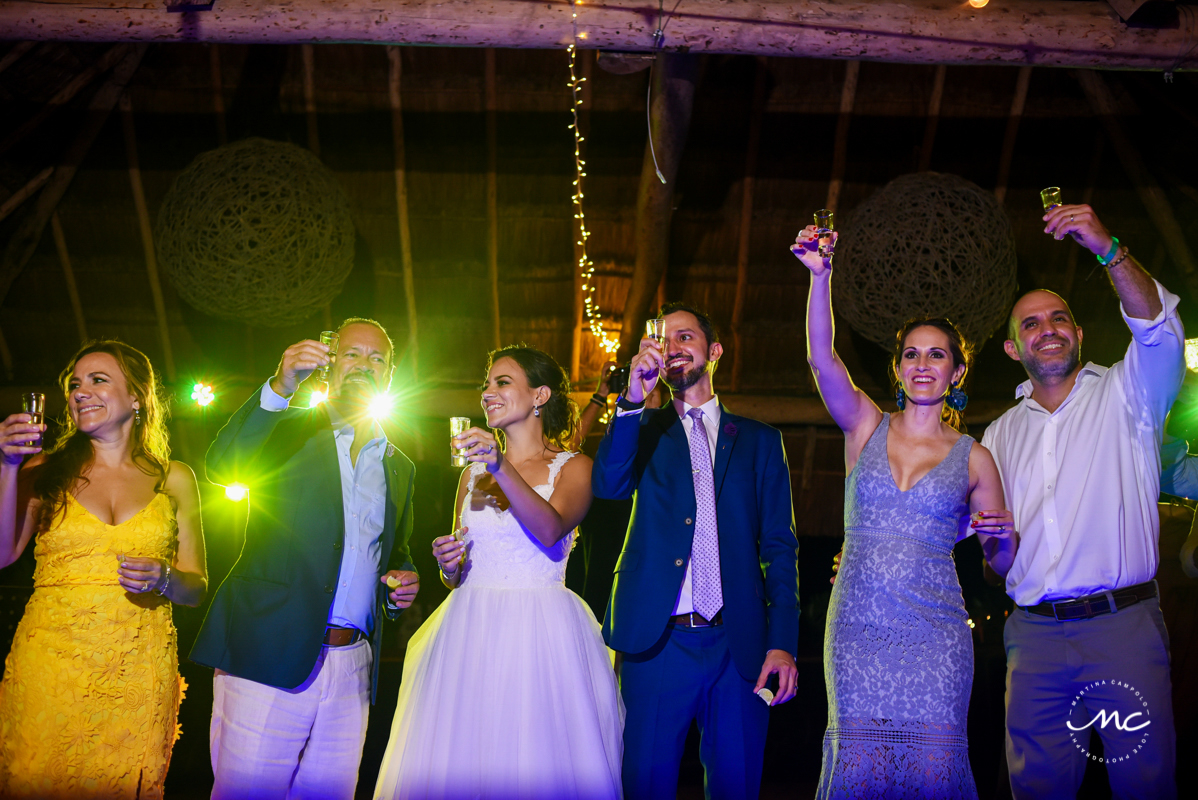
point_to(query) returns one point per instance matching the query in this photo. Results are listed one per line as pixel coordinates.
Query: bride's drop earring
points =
(536, 411)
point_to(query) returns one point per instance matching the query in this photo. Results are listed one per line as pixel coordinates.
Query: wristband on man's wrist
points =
(623, 402)
(1119, 260)
(599, 400)
(1106, 260)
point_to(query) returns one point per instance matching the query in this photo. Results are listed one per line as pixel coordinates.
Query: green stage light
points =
(1192, 355)
(236, 492)
(381, 406)
(203, 394)
(317, 397)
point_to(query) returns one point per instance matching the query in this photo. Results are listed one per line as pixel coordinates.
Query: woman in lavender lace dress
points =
(898, 654)
(508, 692)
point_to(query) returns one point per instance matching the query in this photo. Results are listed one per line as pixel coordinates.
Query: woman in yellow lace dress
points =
(91, 688)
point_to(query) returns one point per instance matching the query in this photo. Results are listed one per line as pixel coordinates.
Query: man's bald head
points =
(1035, 299)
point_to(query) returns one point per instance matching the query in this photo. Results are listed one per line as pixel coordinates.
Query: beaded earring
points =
(900, 397)
(137, 416)
(957, 399)
(536, 411)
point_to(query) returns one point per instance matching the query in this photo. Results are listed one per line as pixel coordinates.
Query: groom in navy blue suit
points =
(705, 605)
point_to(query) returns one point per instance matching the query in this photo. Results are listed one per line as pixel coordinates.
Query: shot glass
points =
(1050, 197)
(655, 329)
(824, 225)
(34, 404)
(457, 425)
(329, 339)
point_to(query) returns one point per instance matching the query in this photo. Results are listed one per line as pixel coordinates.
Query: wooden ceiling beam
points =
(1036, 32)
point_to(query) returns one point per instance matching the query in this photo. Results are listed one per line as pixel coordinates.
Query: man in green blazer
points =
(294, 631)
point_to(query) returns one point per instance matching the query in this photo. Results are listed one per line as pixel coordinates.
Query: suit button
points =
(678, 562)
(328, 588)
(689, 520)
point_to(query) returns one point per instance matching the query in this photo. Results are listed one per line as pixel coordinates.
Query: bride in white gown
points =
(508, 690)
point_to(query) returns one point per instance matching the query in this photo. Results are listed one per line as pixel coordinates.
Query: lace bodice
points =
(500, 552)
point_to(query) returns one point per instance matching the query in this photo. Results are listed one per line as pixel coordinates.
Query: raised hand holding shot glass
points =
(34, 404)
(824, 224)
(457, 453)
(329, 339)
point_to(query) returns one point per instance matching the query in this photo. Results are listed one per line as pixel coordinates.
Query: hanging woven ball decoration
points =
(925, 245)
(258, 231)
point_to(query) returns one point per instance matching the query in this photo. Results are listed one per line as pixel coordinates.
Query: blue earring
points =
(957, 399)
(900, 397)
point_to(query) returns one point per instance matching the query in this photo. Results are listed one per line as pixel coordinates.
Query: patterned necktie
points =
(707, 595)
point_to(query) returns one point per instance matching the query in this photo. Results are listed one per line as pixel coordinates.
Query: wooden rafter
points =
(25, 238)
(1040, 32)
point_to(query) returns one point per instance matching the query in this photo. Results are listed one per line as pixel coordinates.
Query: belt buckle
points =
(1055, 615)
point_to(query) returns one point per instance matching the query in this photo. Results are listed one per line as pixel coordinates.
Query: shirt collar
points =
(342, 428)
(710, 409)
(1091, 369)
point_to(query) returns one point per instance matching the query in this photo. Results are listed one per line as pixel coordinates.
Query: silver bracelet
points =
(162, 592)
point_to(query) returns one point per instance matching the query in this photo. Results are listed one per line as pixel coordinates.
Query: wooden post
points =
(401, 203)
(21, 195)
(673, 76)
(147, 235)
(587, 62)
(5, 355)
(64, 258)
(746, 219)
(929, 131)
(489, 106)
(309, 59)
(1087, 196)
(848, 94)
(24, 239)
(1151, 195)
(1008, 142)
(218, 94)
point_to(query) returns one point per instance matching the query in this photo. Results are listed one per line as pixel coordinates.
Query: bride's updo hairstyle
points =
(961, 349)
(559, 416)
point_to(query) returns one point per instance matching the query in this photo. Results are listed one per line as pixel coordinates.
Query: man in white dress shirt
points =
(1087, 649)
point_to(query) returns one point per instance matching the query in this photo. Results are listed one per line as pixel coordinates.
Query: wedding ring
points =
(1071, 218)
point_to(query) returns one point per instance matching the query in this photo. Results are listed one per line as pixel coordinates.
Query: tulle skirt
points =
(506, 694)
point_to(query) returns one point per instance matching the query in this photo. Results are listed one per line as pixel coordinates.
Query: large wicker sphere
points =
(925, 245)
(257, 231)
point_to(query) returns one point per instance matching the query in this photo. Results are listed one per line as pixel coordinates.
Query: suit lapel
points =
(725, 442)
(391, 472)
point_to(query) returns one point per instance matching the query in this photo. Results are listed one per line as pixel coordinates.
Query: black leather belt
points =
(335, 636)
(693, 620)
(1095, 604)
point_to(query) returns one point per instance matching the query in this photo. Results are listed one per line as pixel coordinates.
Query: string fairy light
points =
(586, 267)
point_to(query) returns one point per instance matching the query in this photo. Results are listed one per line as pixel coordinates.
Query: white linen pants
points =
(290, 744)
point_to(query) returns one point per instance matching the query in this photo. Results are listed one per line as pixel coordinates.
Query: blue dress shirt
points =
(363, 498)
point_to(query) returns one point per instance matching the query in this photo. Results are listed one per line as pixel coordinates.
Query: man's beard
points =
(688, 378)
(1047, 373)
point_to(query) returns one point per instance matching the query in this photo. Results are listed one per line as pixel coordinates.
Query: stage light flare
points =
(978, 3)
(317, 397)
(1192, 355)
(203, 394)
(381, 406)
(236, 492)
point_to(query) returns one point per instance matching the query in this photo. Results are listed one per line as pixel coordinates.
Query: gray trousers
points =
(1109, 675)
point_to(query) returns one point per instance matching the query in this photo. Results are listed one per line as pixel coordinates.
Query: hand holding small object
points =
(403, 584)
(479, 445)
(806, 250)
(140, 575)
(298, 362)
(15, 433)
(647, 366)
(450, 551)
